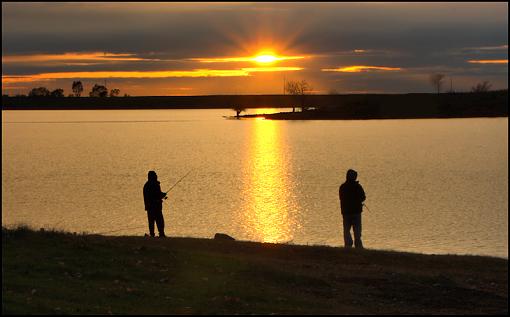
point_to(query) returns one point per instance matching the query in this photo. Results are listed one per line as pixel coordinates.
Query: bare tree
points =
(77, 88)
(238, 110)
(437, 81)
(299, 89)
(481, 87)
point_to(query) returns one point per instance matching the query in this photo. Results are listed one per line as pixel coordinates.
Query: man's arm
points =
(362, 194)
(161, 194)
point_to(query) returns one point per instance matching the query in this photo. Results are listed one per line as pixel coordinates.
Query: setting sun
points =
(261, 58)
(266, 58)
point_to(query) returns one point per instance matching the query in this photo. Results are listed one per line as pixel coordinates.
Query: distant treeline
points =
(447, 105)
(419, 105)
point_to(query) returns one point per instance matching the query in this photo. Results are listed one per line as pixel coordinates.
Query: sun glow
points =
(262, 58)
(265, 58)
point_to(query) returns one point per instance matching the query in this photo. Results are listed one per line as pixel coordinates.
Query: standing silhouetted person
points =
(352, 196)
(152, 197)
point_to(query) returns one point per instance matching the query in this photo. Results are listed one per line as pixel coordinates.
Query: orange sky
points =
(241, 48)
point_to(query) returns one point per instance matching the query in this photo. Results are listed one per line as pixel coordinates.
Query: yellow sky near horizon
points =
(264, 62)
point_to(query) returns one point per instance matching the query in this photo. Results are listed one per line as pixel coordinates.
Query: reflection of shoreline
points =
(266, 186)
(324, 115)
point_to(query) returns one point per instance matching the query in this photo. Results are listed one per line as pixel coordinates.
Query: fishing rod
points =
(140, 226)
(366, 207)
(178, 182)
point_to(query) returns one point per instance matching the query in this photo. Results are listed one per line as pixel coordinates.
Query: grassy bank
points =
(55, 272)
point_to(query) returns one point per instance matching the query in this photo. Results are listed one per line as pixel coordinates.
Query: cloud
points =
(271, 69)
(264, 57)
(185, 30)
(128, 74)
(147, 74)
(489, 61)
(485, 48)
(361, 68)
(71, 56)
(22, 79)
(44, 38)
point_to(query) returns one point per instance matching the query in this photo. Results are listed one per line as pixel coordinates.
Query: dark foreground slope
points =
(49, 272)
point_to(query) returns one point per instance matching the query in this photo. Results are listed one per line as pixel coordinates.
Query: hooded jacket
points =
(351, 196)
(152, 195)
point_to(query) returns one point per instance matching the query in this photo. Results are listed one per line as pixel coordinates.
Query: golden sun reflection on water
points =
(267, 217)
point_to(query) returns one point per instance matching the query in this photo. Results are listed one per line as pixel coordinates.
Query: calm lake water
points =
(433, 186)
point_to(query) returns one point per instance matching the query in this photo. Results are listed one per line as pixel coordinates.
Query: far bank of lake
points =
(350, 106)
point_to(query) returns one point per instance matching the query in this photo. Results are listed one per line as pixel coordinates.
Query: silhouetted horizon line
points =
(262, 94)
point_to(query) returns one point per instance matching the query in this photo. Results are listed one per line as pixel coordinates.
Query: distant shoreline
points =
(318, 115)
(332, 107)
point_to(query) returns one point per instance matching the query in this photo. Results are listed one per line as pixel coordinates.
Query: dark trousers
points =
(156, 215)
(353, 221)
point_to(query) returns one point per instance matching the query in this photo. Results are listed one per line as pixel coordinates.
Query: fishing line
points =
(142, 226)
(178, 181)
(139, 227)
(112, 231)
(165, 199)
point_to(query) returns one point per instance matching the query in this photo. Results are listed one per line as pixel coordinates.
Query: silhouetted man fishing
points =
(351, 196)
(153, 199)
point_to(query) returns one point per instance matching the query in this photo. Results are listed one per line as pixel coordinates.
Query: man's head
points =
(152, 176)
(352, 175)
